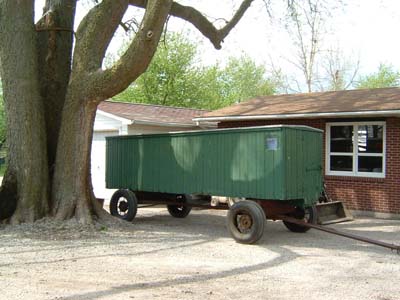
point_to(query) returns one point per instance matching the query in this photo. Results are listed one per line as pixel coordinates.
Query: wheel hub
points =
(123, 206)
(245, 222)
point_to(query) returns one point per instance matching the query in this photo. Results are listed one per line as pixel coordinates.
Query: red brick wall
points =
(368, 194)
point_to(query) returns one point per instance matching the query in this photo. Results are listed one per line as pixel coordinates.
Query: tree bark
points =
(27, 174)
(55, 40)
(71, 194)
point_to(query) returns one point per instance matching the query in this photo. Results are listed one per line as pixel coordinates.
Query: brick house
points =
(361, 140)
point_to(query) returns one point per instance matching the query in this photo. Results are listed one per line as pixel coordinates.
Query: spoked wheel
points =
(124, 205)
(246, 221)
(180, 211)
(309, 215)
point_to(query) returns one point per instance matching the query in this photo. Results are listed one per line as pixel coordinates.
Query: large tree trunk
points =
(72, 191)
(55, 40)
(27, 173)
(72, 194)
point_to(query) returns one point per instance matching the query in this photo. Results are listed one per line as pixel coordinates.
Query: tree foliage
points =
(176, 78)
(171, 78)
(243, 79)
(386, 76)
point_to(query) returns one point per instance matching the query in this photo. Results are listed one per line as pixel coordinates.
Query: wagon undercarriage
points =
(245, 220)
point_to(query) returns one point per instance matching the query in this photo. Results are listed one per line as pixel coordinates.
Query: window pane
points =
(341, 163)
(342, 139)
(370, 164)
(370, 139)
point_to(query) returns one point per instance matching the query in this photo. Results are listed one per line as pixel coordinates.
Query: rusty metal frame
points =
(392, 247)
(274, 210)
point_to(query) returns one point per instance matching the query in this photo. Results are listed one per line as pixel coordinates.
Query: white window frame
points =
(355, 153)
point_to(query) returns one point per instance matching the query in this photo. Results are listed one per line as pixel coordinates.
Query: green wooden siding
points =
(268, 162)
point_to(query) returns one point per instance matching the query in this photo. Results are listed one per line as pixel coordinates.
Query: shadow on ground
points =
(157, 226)
(160, 233)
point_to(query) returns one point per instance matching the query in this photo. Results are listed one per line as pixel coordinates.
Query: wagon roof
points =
(362, 102)
(151, 113)
(217, 131)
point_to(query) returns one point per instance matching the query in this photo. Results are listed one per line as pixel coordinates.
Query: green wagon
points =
(266, 172)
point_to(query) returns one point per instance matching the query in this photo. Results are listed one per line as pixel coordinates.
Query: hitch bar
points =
(392, 247)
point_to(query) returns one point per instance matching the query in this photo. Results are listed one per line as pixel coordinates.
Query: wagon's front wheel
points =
(246, 221)
(123, 204)
(180, 211)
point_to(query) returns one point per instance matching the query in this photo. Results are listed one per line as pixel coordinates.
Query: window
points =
(356, 149)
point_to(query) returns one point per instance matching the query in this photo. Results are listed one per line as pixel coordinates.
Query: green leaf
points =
(175, 78)
(386, 76)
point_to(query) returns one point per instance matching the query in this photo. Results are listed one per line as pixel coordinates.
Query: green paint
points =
(269, 162)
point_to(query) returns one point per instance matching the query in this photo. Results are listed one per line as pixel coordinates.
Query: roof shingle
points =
(382, 99)
(151, 113)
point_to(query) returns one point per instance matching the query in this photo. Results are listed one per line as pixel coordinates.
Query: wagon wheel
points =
(180, 211)
(246, 221)
(124, 205)
(309, 215)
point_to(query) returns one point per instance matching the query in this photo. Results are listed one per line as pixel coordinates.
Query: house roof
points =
(153, 114)
(382, 101)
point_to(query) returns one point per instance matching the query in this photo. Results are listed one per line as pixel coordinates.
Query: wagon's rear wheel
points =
(123, 204)
(246, 221)
(180, 211)
(309, 215)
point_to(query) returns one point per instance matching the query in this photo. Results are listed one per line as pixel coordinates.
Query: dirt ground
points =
(159, 257)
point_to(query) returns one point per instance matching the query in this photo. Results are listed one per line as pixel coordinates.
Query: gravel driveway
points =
(159, 257)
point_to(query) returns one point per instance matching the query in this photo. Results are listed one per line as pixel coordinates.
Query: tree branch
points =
(193, 16)
(103, 84)
(95, 33)
(352, 79)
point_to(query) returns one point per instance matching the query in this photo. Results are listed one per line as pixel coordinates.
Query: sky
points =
(365, 26)
(364, 30)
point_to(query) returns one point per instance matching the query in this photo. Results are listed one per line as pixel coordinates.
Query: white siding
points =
(103, 126)
(103, 123)
(98, 166)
